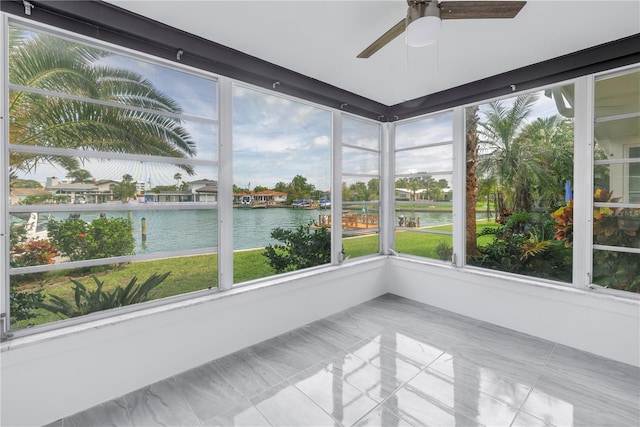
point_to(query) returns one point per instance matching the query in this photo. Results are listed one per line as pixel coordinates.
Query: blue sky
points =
(275, 138)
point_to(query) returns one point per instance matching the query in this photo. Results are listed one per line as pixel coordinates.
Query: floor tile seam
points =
(402, 385)
(532, 387)
(380, 405)
(407, 356)
(262, 415)
(320, 407)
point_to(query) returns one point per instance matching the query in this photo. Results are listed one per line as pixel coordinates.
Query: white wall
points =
(602, 324)
(47, 379)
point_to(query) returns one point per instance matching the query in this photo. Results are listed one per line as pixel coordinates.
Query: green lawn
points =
(194, 273)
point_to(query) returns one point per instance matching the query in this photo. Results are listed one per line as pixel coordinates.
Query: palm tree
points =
(178, 178)
(79, 175)
(502, 155)
(44, 62)
(550, 142)
(471, 195)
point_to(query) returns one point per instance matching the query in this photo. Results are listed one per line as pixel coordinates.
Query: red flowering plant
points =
(101, 238)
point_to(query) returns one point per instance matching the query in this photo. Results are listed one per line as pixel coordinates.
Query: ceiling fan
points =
(423, 19)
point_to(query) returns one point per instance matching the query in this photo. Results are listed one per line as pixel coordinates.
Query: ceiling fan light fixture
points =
(423, 24)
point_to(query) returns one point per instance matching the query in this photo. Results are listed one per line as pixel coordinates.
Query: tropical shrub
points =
(616, 227)
(444, 251)
(524, 245)
(301, 248)
(101, 238)
(33, 252)
(611, 227)
(24, 303)
(25, 254)
(87, 301)
(564, 224)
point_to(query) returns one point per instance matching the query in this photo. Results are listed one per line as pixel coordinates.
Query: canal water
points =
(194, 229)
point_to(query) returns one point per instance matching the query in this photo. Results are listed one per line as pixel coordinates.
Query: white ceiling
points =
(322, 38)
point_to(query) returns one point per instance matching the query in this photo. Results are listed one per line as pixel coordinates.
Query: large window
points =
(113, 164)
(520, 179)
(616, 191)
(281, 184)
(360, 187)
(423, 187)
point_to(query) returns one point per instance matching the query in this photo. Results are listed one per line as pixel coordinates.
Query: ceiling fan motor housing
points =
(423, 23)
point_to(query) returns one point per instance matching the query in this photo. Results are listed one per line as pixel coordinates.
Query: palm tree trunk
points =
(471, 181)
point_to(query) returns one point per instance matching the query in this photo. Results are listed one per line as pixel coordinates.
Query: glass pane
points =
(360, 189)
(46, 121)
(90, 72)
(362, 134)
(281, 148)
(429, 130)
(413, 215)
(425, 160)
(616, 227)
(186, 274)
(70, 180)
(612, 136)
(360, 227)
(520, 175)
(360, 244)
(436, 188)
(428, 245)
(360, 216)
(619, 95)
(617, 183)
(617, 137)
(58, 237)
(617, 270)
(361, 162)
(360, 195)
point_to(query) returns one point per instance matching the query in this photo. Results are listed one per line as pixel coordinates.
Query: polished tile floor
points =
(388, 362)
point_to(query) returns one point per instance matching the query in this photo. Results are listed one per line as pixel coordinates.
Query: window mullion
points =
(387, 189)
(336, 190)
(4, 185)
(459, 187)
(583, 188)
(225, 186)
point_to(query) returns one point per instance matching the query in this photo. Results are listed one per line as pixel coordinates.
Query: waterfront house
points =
(98, 191)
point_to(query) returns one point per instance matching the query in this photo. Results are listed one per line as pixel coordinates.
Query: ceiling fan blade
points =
(480, 9)
(394, 32)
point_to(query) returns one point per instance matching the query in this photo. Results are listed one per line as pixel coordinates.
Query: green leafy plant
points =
(88, 301)
(524, 245)
(301, 248)
(24, 303)
(101, 238)
(444, 251)
(615, 227)
(26, 253)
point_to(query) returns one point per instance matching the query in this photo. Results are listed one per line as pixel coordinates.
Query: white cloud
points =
(322, 141)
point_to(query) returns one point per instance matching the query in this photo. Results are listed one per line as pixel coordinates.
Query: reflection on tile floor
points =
(388, 362)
